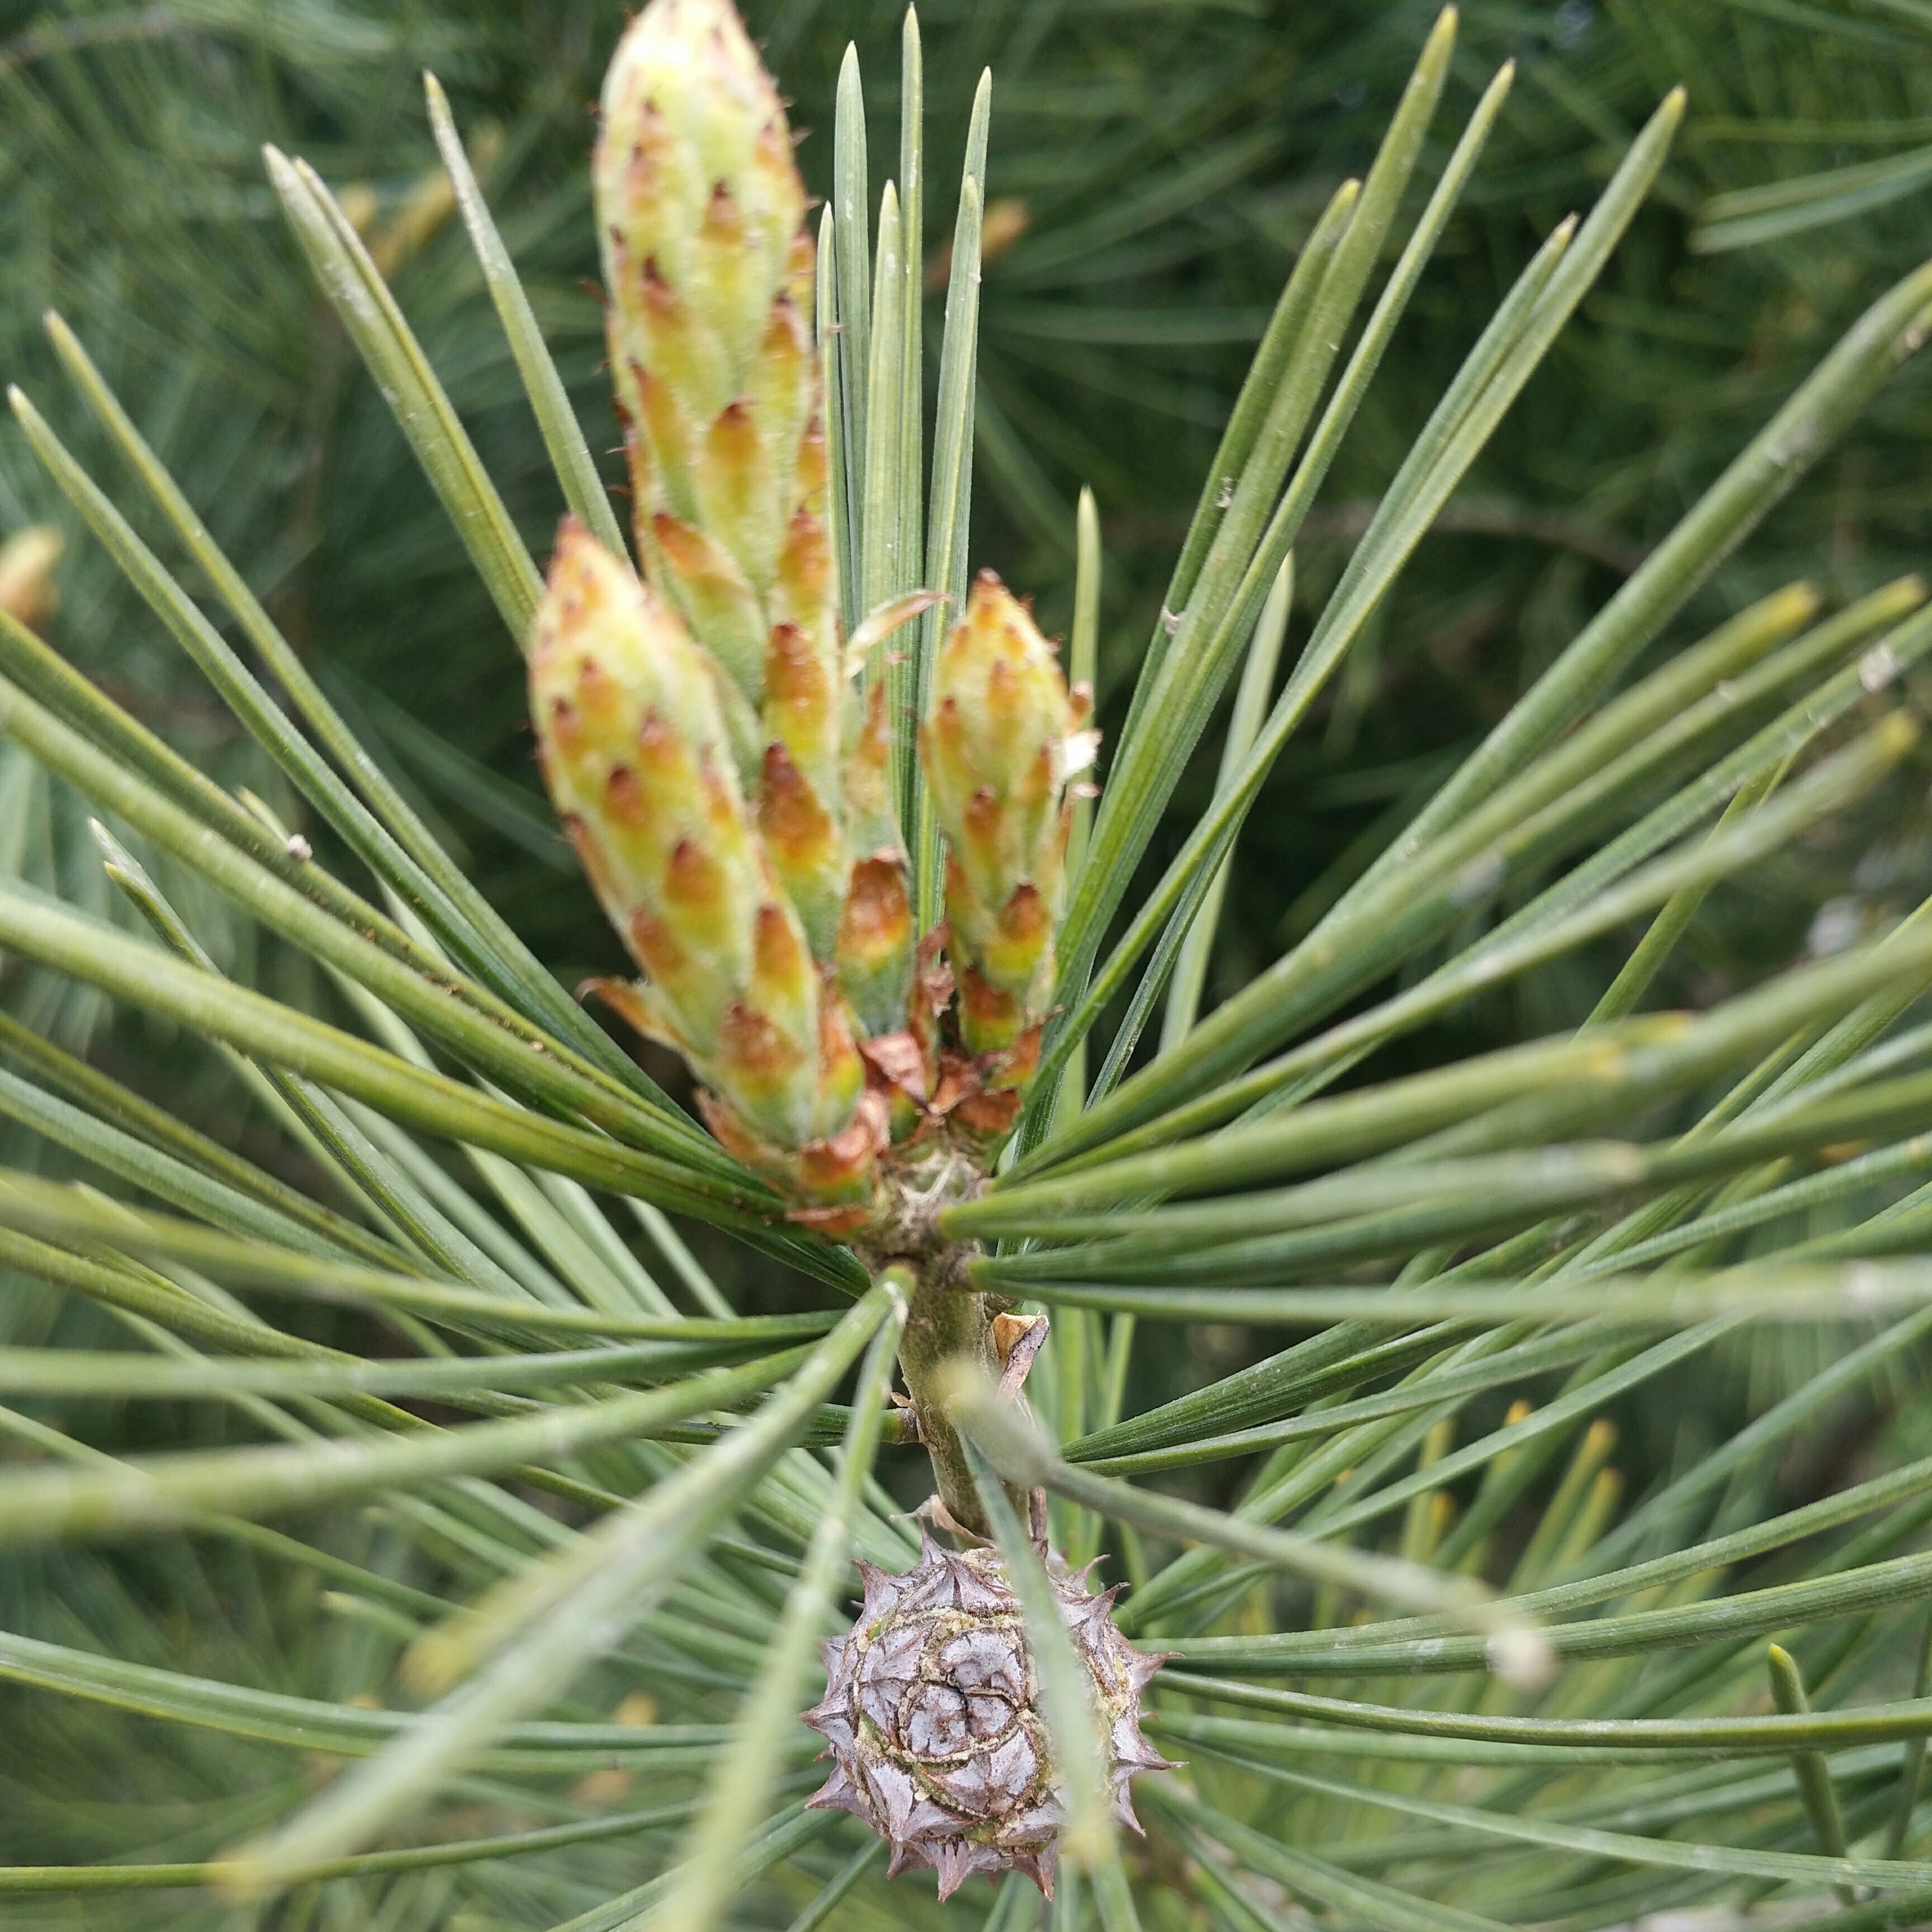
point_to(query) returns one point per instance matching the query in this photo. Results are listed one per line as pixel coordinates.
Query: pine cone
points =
(1002, 738)
(932, 1723)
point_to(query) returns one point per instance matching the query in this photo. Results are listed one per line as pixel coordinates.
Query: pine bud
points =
(700, 213)
(1002, 738)
(638, 763)
(932, 1721)
(28, 592)
(874, 950)
(710, 274)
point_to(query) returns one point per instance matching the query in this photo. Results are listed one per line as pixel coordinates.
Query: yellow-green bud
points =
(700, 213)
(1002, 738)
(874, 952)
(636, 756)
(709, 271)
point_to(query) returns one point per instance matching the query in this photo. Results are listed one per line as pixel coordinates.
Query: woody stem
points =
(947, 1320)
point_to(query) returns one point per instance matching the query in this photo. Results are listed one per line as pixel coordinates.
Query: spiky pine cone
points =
(931, 1720)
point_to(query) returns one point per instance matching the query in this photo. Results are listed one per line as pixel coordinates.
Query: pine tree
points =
(485, 1583)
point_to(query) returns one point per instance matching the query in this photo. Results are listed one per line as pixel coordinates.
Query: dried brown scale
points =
(905, 1224)
(932, 1721)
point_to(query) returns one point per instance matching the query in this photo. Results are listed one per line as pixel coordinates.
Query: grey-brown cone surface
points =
(932, 1722)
